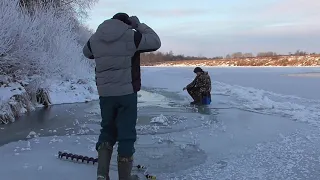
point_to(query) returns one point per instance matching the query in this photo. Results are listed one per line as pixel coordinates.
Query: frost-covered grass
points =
(37, 50)
(13, 102)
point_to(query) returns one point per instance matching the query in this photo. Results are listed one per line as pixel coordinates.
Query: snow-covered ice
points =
(151, 99)
(252, 96)
(71, 92)
(251, 131)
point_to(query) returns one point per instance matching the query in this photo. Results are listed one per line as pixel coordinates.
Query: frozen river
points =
(263, 124)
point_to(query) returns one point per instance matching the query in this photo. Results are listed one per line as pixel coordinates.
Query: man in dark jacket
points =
(200, 87)
(116, 48)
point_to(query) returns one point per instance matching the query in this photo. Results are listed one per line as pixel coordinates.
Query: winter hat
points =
(122, 17)
(197, 69)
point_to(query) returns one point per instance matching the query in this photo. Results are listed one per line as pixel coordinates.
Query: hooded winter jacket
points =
(202, 83)
(116, 48)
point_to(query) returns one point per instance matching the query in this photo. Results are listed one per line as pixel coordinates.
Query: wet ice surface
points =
(224, 145)
(240, 136)
(57, 120)
(288, 157)
(260, 148)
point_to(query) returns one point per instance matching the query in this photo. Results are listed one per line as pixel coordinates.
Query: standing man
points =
(200, 87)
(116, 48)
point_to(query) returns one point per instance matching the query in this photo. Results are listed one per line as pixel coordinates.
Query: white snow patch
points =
(59, 93)
(7, 99)
(296, 108)
(160, 120)
(6, 92)
(32, 134)
(12, 89)
(71, 92)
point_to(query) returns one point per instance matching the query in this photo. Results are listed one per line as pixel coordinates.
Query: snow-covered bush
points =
(42, 43)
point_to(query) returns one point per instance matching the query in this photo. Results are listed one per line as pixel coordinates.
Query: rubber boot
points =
(125, 168)
(104, 157)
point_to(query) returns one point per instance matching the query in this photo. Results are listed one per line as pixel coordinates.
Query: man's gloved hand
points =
(134, 21)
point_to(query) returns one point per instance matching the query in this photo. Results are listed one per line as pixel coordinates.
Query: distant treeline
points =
(169, 56)
(266, 54)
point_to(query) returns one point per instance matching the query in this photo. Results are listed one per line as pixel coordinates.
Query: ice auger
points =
(86, 159)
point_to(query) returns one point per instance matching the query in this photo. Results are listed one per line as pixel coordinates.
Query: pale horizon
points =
(216, 28)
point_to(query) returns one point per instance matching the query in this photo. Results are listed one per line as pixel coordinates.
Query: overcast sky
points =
(216, 27)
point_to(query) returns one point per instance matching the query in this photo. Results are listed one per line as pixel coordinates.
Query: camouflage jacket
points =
(201, 82)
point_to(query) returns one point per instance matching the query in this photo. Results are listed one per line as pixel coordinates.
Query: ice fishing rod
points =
(93, 161)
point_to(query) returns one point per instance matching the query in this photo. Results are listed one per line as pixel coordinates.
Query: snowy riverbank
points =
(274, 61)
(16, 98)
(16, 101)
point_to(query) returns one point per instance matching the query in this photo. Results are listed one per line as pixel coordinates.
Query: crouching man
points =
(116, 48)
(200, 87)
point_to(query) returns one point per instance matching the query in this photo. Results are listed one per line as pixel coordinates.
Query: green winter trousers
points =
(119, 116)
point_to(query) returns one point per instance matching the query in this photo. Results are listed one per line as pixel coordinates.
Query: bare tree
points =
(237, 55)
(79, 7)
(247, 55)
(266, 54)
(300, 53)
